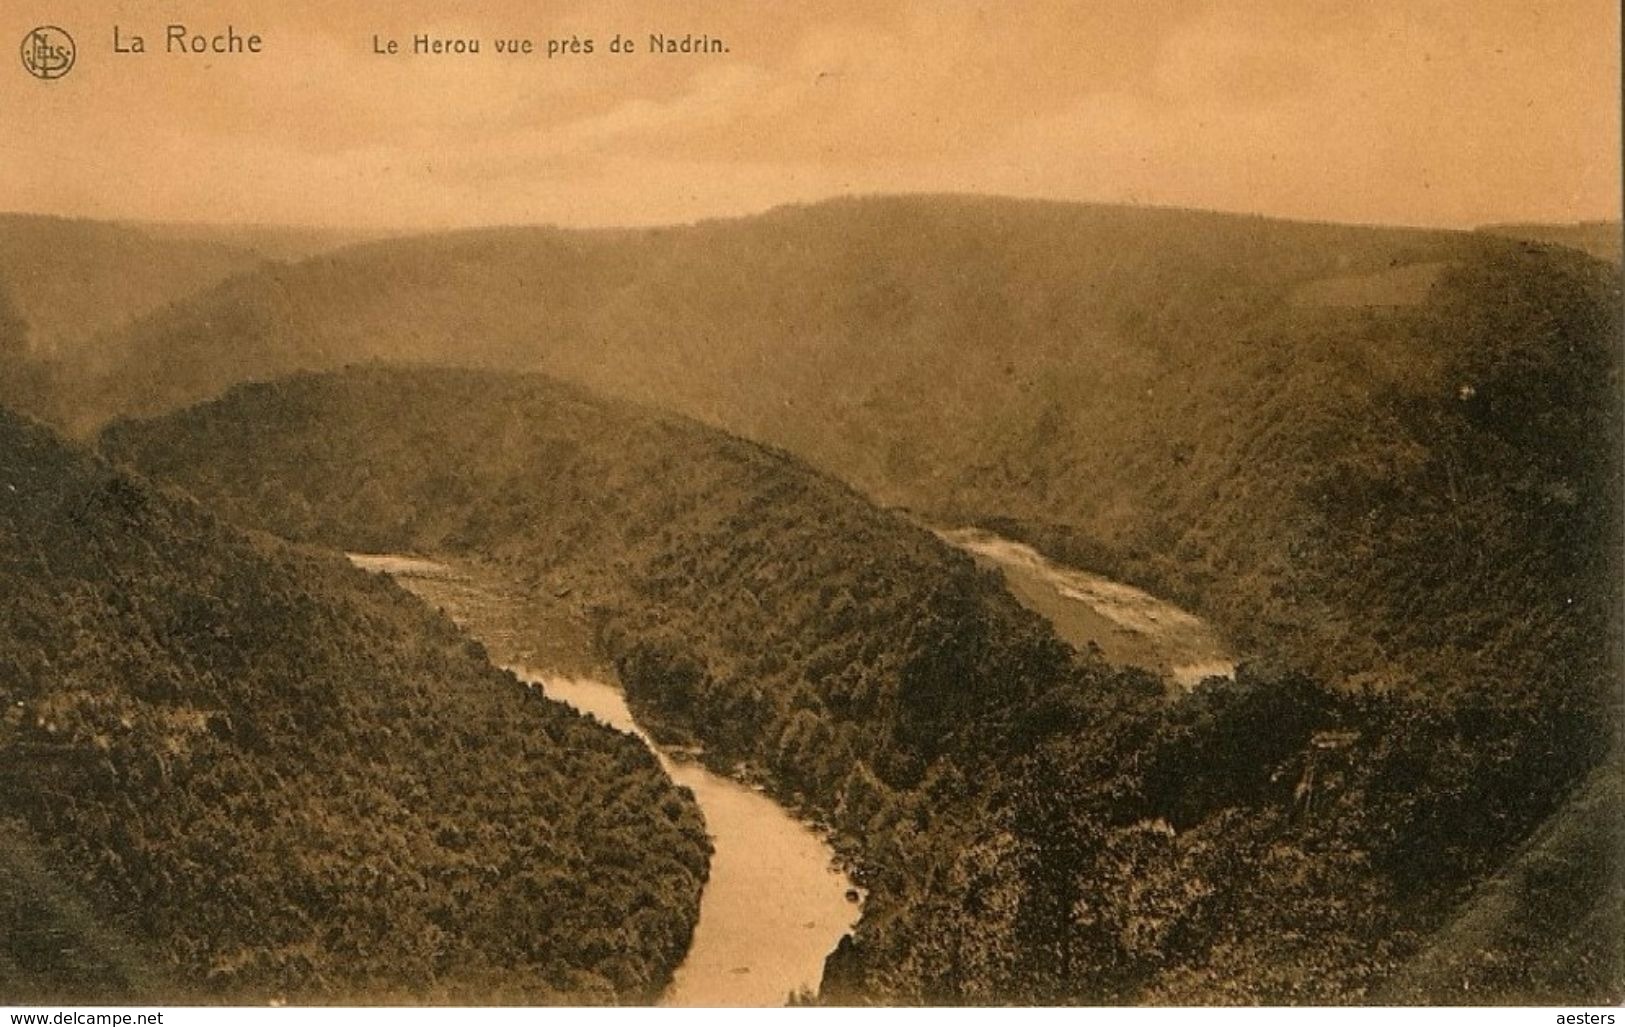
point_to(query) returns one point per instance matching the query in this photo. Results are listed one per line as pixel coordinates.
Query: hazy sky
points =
(1454, 112)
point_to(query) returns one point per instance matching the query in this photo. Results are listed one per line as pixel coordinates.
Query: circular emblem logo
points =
(48, 52)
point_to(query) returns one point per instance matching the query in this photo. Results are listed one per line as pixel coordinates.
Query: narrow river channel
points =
(775, 905)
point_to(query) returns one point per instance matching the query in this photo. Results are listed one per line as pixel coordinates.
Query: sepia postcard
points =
(902, 503)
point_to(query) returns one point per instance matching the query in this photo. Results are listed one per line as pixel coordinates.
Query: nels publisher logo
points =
(48, 52)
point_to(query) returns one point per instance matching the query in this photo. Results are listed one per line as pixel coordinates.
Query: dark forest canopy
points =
(1033, 825)
(234, 771)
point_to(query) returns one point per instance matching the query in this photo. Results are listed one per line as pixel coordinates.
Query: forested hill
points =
(1376, 451)
(1032, 825)
(75, 281)
(69, 286)
(234, 771)
(70, 280)
(945, 297)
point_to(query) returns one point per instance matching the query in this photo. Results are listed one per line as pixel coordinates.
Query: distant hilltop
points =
(1601, 239)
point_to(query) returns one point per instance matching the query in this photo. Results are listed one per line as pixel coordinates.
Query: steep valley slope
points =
(1032, 825)
(236, 771)
(1389, 455)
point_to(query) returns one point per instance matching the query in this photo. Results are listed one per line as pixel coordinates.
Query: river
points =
(1129, 626)
(775, 904)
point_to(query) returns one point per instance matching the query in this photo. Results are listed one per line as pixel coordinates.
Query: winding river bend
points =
(775, 905)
